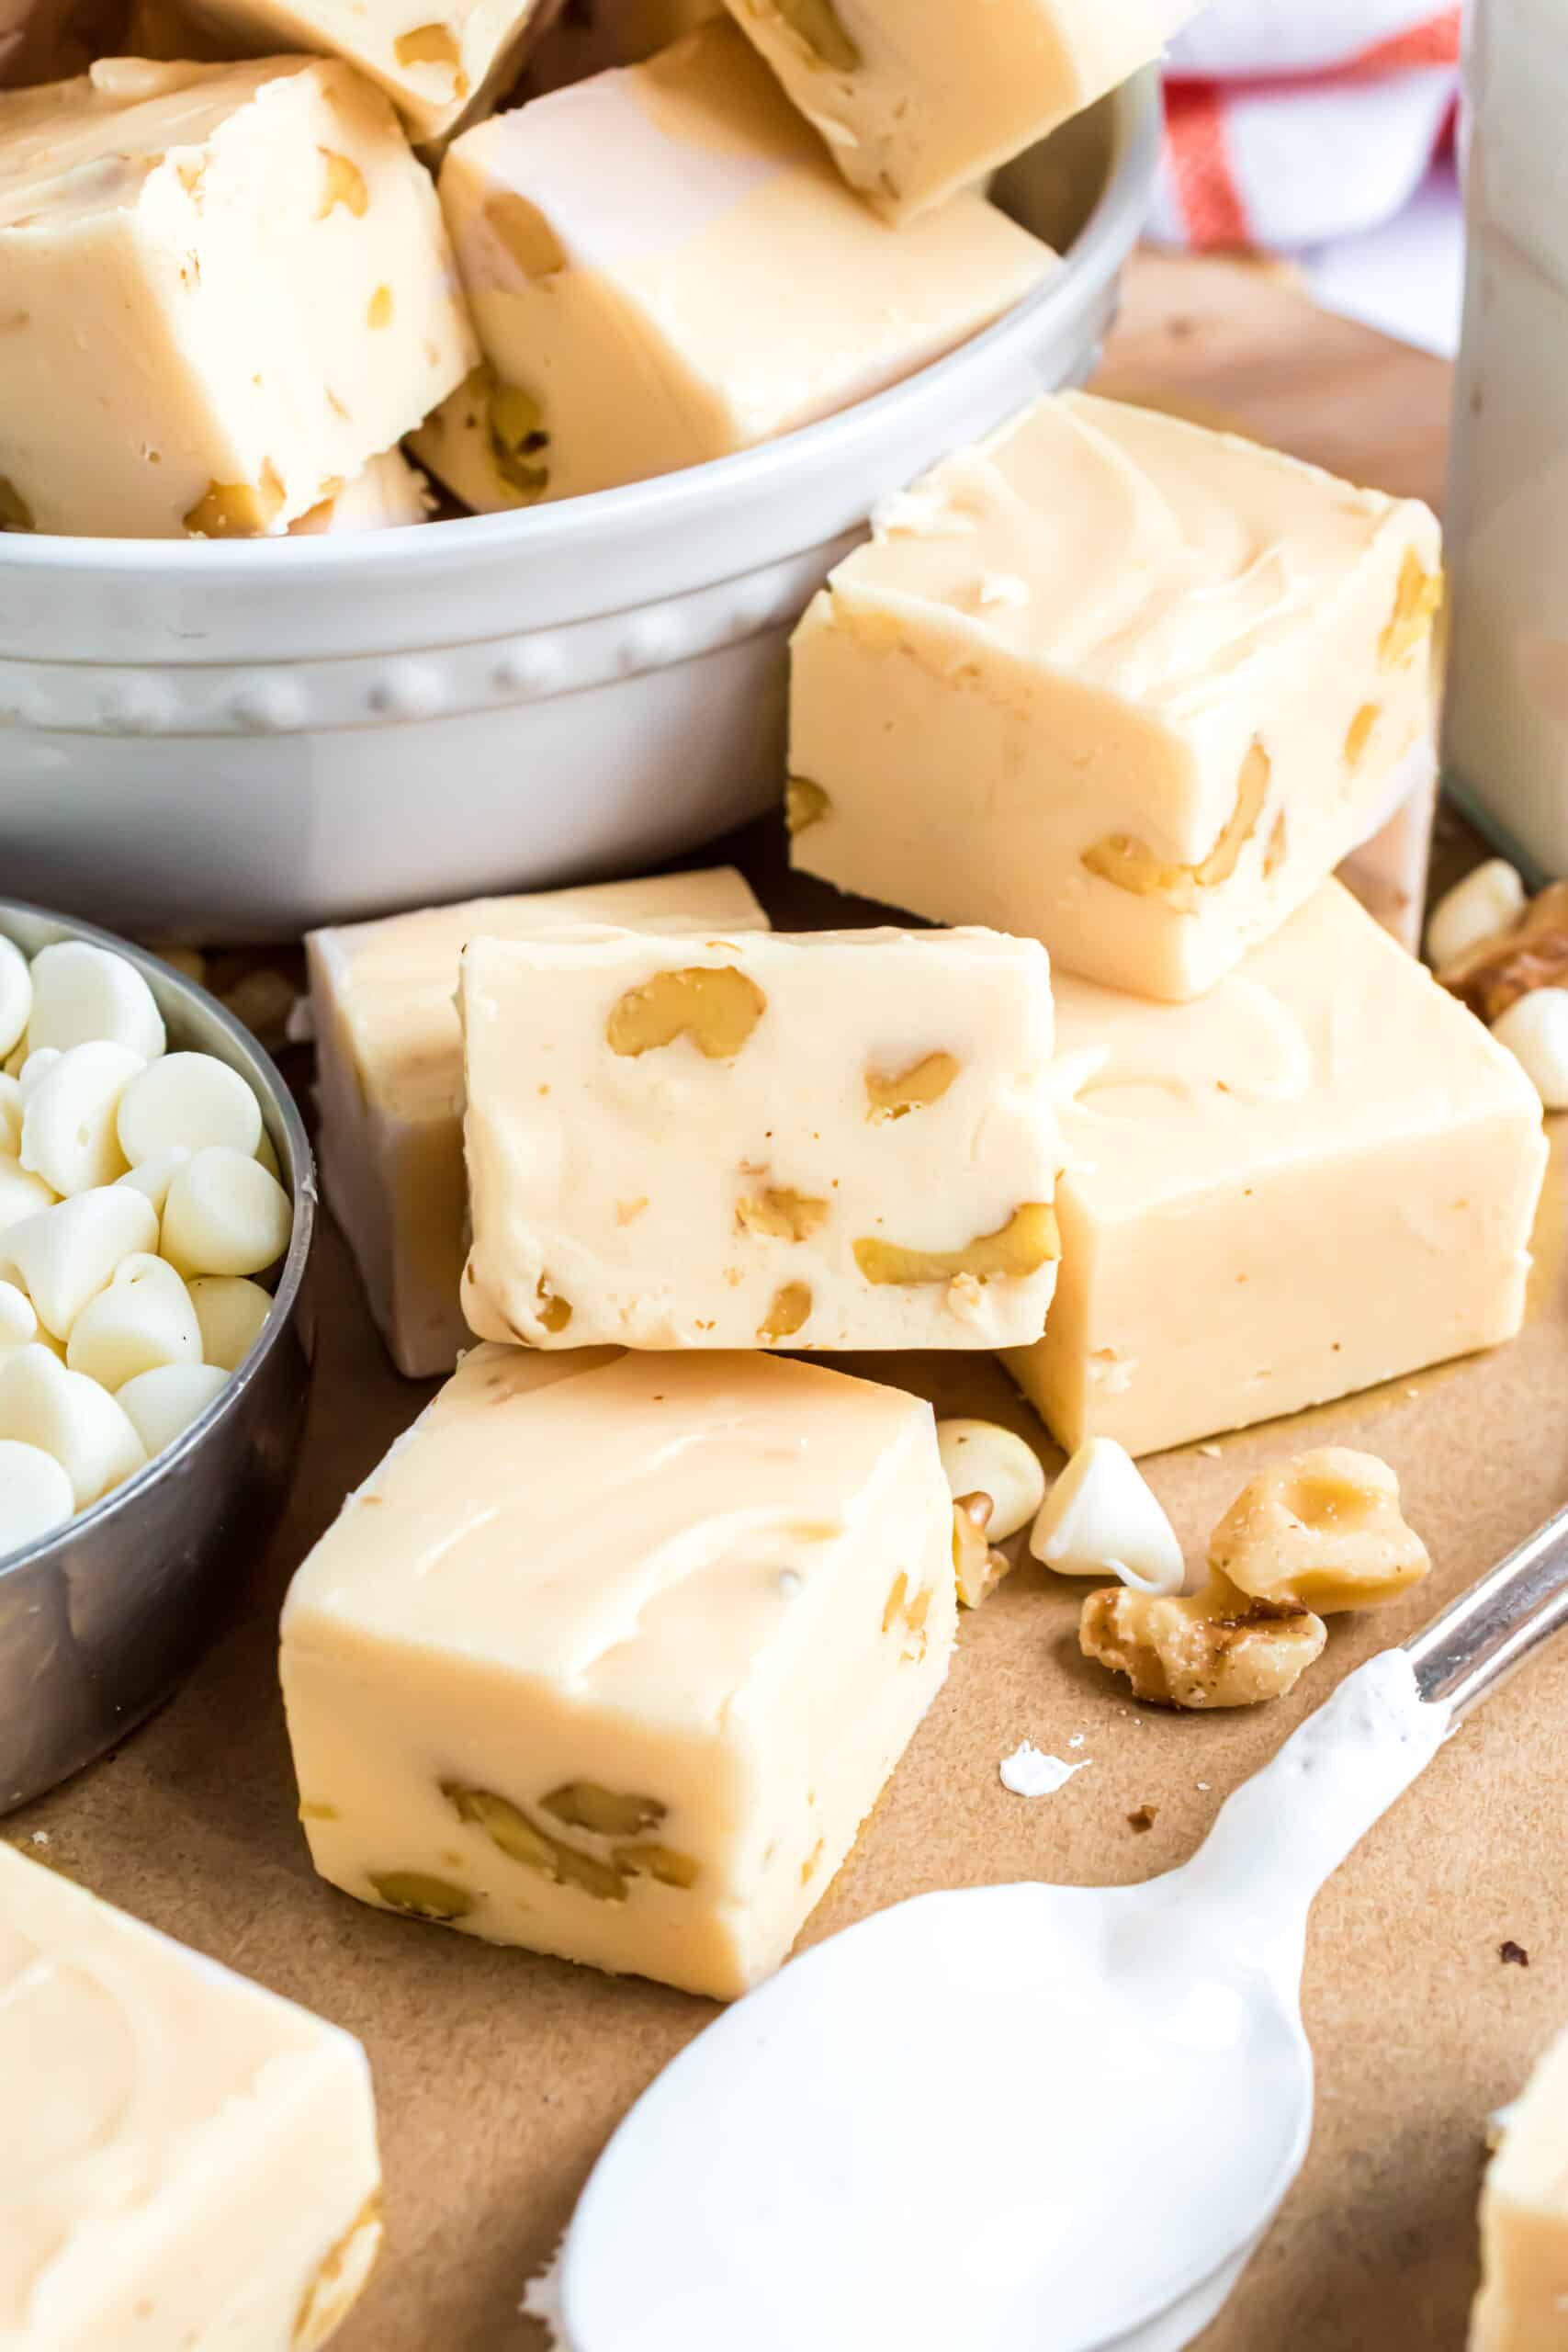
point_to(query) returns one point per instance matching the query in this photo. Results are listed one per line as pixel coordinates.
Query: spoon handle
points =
(1489, 1631)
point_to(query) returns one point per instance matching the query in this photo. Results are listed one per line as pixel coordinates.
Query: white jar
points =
(1505, 727)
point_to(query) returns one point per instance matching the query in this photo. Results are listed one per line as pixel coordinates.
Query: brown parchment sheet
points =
(500, 2076)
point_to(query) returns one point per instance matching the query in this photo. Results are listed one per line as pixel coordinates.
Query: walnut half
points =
(1320, 1532)
(1496, 972)
(1216, 1648)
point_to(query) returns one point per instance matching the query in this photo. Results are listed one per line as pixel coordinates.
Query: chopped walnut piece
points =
(1322, 1532)
(976, 1562)
(1216, 1648)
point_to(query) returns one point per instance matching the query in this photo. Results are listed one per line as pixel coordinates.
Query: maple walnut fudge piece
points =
(612, 1654)
(224, 291)
(731, 291)
(189, 2157)
(389, 1055)
(917, 98)
(842, 1140)
(1271, 1197)
(1112, 680)
(440, 62)
(1524, 2219)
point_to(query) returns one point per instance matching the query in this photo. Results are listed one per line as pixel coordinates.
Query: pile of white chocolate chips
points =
(139, 1198)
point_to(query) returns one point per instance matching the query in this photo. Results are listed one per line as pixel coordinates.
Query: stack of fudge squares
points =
(285, 263)
(614, 1652)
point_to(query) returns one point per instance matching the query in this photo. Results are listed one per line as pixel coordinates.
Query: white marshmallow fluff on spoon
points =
(1130, 2093)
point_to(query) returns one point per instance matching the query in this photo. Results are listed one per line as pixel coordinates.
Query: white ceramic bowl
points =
(242, 741)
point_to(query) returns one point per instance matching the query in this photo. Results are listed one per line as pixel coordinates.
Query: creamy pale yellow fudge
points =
(186, 2159)
(916, 99)
(1108, 678)
(440, 62)
(1523, 2302)
(1321, 1175)
(613, 1654)
(387, 494)
(389, 1060)
(718, 287)
(842, 1140)
(224, 290)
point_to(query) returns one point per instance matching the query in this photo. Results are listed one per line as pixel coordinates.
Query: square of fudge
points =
(722, 289)
(439, 66)
(1524, 2219)
(841, 1140)
(224, 290)
(613, 1654)
(188, 2158)
(389, 1066)
(1119, 682)
(1321, 1175)
(914, 104)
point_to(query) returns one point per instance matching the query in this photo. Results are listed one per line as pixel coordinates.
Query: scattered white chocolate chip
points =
(981, 1457)
(162, 1403)
(1485, 903)
(231, 1312)
(1101, 1519)
(36, 1066)
(68, 1253)
(82, 994)
(1535, 1030)
(188, 1101)
(144, 1319)
(19, 1324)
(1029, 1773)
(71, 1418)
(36, 1496)
(21, 1195)
(69, 1117)
(16, 995)
(224, 1215)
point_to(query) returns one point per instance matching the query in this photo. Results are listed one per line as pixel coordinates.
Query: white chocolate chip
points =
(16, 995)
(144, 1319)
(66, 1254)
(69, 1117)
(154, 1176)
(82, 994)
(231, 1312)
(21, 1195)
(224, 1215)
(71, 1418)
(1101, 1519)
(35, 1493)
(983, 1458)
(267, 1157)
(188, 1100)
(161, 1403)
(1487, 902)
(1535, 1030)
(18, 1323)
(36, 1067)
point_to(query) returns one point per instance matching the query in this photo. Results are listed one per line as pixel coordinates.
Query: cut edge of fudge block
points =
(643, 1728)
(835, 1140)
(1057, 692)
(1289, 1249)
(391, 1118)
(261, 2210)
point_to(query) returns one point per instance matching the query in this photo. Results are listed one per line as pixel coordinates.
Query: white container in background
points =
(1505, 725)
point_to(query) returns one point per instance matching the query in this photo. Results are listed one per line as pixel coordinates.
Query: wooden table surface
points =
(500, 2076)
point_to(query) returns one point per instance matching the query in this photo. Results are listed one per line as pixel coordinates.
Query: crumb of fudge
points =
(1143, 1819)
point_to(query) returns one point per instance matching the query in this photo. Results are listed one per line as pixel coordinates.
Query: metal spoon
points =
(1026, 2119)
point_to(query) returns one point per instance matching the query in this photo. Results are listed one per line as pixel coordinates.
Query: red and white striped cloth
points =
(1292, 122)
